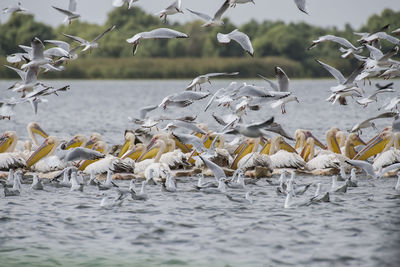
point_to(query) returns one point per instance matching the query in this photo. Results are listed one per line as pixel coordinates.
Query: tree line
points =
(274, 42)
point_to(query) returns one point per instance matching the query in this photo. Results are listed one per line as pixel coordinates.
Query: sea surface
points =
(187, 228)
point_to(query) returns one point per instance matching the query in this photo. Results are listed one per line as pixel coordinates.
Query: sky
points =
(322, 12)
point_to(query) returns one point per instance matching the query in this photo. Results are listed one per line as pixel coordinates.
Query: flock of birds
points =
(162, 148)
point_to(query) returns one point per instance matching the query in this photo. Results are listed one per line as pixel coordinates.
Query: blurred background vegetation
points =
(275, 43)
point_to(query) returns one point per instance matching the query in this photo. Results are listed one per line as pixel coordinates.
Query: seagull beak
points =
(374, 147)
(40, 153)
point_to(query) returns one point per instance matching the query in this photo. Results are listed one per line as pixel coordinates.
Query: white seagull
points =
(206, 78)
(14, 9)
(240, 37)
(119, 3)
(216, 20)
(92, 44)
(70, 13)
(160, 33)
(172, 9)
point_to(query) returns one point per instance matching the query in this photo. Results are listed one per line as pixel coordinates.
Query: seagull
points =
(105, 203)
(75, 186)
(191, 139)
(14, 9)
(206, 78)
(108, 184)
(92, 44)
(366, 166)
(351, 181)
(397, 186)
(281, 78)
(36, 183)
(119, 3)
(240, 37)
(172, 9)
(139, 195)
(389, 168)
(373, 97)
(368, 122)
(70, 12)
(66, 47)
(38, 58)
(16, 189)
(253, 130)
(318, 197)
(160, 33)
(233, 3)
(247, 199)
(216, 20)
(81, 153)
(338, 188)
(340, 40)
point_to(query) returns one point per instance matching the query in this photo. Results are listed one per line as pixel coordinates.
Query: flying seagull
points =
(70, 13)
(238, 37)
(216, 20)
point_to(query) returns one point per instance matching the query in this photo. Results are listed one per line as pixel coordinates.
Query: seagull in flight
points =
(89, 45)
(239, 37)
(70, 12)
(216, 20)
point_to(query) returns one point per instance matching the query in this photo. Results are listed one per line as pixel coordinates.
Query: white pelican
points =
(284, 158)
(158, 169)
(8, 158)
(387, 144)
(77, 141)
(252, 159)
(110, 162)
(94, 137)
(129, 137)
(43, 160)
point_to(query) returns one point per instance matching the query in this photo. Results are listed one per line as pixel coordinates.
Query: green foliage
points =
(275, 43)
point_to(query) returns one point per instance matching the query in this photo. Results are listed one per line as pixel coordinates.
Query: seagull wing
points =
(375, 53)
(64, 11)
(163, 33)
(61, 44)
(217, 170)
(261, 125)
(283, 80)
(76, 38)
(334, 72)
(21, 73)
(220, 74)
(273, 85)
(366, 166)
(72, 5)
(302, 5)
(221, 10)
(37, 48)
(189, 125)
(243, 40)
(81, 153)
(102, 34)
(203, 16)
(143, 111)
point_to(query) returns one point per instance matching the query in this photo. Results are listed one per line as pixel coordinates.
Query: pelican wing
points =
(203, 16)
(283, 80)
(102, 34)
(221, 10)
(81, 153)
(334, 72)
(217, 170)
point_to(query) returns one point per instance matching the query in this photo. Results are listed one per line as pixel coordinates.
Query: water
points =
(57, 227)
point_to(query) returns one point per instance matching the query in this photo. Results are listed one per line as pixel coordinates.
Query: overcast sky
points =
(322, 12)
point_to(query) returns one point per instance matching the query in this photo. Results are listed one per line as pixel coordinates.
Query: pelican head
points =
(378, 144)
(48, 147)
(129, 142)
(8, 141)
(154, 143)
(34, 128)
(76, 141)
(135, 152)
(100, 146)
(93, 139)
(332, 141)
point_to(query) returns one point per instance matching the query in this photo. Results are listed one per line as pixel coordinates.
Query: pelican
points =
(94, 137)
(284, 158)
(109, 162)
(254, 158)
(326, 161)
(43, 160)
(129, 137)
(77, 141)
(8, 158)
(159, 170)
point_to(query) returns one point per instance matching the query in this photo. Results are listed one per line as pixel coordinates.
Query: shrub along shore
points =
(174, 68)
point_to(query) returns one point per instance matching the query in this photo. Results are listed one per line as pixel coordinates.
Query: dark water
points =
(58, 227)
